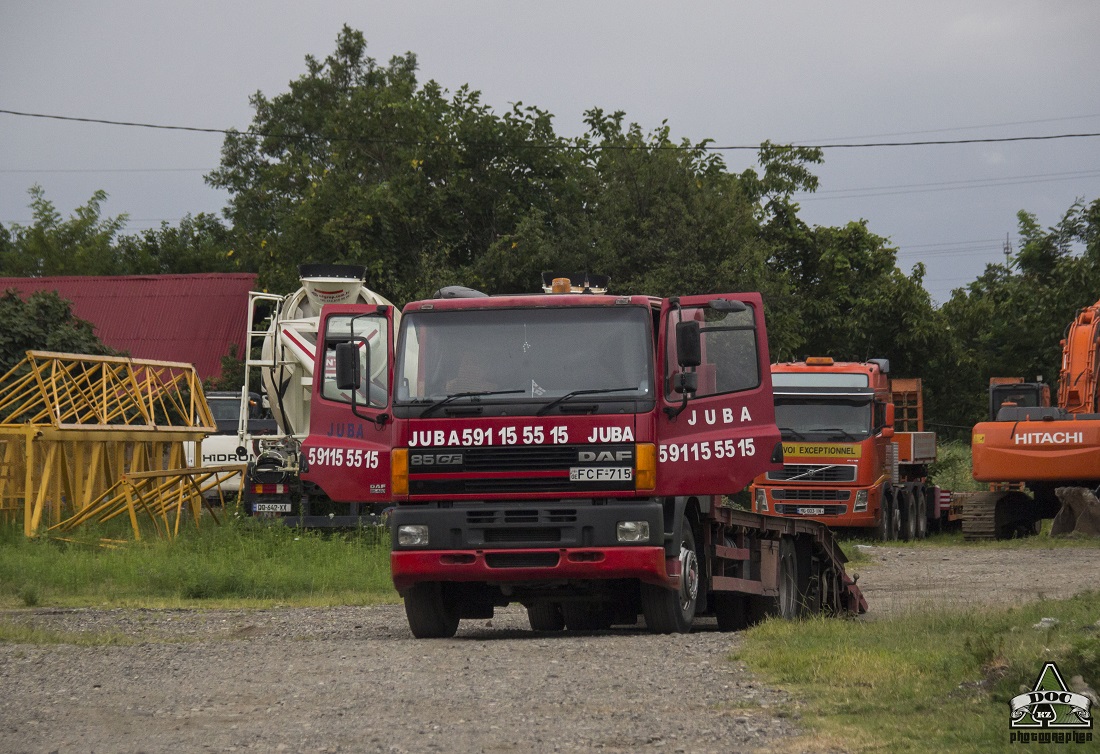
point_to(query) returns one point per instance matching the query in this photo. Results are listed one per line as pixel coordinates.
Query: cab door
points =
(347, 452)
(716, 425)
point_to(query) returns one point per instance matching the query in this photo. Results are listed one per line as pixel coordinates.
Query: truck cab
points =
(561, 450)
(840, 460)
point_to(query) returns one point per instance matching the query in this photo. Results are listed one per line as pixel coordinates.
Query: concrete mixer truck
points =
(282, 343)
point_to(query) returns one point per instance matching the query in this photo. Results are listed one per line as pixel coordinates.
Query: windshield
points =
(834, 419)
(525, 354)
(225, 409)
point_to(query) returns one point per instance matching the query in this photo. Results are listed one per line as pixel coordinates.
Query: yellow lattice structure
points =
(88, 438)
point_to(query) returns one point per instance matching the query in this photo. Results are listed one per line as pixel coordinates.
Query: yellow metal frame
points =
(81, 435)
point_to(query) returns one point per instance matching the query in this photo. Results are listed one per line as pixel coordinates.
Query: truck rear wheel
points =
(922, 513)
(907, 505)
(585, 616)
(428, 614)
(791, 602)
(791, 590)
(545, 616)
(731, 610)
(669, 611)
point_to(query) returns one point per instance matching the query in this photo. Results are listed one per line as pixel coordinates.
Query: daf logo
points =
(436, 459)
(590, 456)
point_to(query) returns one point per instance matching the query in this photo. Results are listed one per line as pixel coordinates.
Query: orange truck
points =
(854, 448)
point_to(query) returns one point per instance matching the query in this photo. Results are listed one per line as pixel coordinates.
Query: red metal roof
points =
(191, 318)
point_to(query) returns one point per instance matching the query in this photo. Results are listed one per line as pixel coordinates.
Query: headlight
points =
(412, 535)
(632, 531)
(761, 499)
(861, 502)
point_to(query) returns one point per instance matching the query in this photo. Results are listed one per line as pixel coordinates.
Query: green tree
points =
(358, 164)
(43, 322)
(81, 245)
(1009, 322)
(658, 216)
(198, 244)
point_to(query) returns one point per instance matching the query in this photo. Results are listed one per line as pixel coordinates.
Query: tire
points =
(895, 517)
(669, 611)
(731, 610)
(545, 616)
(922, 513)
(789, 603)
(427, 612)
(881, 532)
(585, 616)
(908, 507)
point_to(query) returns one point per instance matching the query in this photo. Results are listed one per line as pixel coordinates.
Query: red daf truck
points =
(568, 451)
(855, 451)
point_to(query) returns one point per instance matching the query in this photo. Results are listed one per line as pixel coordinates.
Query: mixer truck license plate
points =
(811, 511)
(271, 507)
(616, 474)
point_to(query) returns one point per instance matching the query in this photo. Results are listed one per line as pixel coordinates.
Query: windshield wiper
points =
(840, 433)
(472, 394)
(784, 431)
(546, 409)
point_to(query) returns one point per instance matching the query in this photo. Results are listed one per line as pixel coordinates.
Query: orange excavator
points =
(1029, 446)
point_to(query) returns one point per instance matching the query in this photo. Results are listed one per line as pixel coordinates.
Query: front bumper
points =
(647, 564)
(530, 541)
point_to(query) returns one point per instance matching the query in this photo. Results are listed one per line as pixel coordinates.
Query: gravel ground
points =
(352, 679)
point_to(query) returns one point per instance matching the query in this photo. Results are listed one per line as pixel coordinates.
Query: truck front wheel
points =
(428, 613)
(669, 611)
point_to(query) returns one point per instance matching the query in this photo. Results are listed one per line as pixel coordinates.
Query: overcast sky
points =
(804, 71)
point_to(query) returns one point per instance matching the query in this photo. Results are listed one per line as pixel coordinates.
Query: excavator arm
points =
(1077, 383)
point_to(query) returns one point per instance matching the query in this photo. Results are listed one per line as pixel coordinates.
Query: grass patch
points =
(927, 681)
(1043, 541)
(241, 561)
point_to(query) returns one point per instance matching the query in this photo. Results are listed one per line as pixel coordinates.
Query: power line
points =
(935, 188)
(1092, 172)
(104, 170)
(530, 145)
(951, 243)
(961, 128)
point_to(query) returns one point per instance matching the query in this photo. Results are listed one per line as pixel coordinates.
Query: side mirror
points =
(888, 425)
(686, 383)
(689, 352)
(347, 366)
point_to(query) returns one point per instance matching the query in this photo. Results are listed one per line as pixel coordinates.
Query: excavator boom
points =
(1077, 382)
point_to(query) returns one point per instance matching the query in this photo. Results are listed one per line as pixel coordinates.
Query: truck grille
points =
(829, 510)
(522, 526)
(522, 516)
(811, 494)
(814, 473)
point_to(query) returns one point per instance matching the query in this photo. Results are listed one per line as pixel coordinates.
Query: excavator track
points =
(997, 515)
(979, 516)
